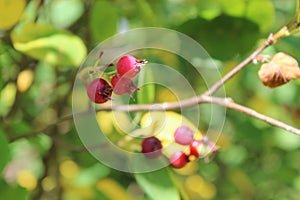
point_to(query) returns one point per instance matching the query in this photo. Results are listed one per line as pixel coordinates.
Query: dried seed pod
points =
(280, 70)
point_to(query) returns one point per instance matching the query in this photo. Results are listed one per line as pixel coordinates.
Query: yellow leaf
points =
(10, 12)
(51, 45)
(164, 124)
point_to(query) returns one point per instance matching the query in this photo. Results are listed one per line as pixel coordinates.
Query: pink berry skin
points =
(179, 159)
(194, 148)
(99, 91)
(123, 85)
(151, 147)
(129, 66)
(184, 135)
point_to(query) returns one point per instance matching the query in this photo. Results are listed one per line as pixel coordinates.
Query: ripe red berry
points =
(194, 148)
(184, 135)
(202, 147)
(151, 147)
(123, 85)
(129, 66)
(99, 91)
(179, 159)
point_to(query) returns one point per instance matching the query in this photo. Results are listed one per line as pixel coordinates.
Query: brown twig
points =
(240, 66)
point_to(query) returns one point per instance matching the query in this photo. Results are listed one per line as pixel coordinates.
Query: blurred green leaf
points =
(251, 10)
(218, 39)
(286, 141)
(7, 98)
(158, 185)
(4, 151)
(209, 9)
(12, 192)
(234, 155)
(235, 8)
(146, 94)
(145, 11)
(64, 13)
(41, 142)
(20, 127)
(261, 12)
(89, 176)
(48, 44)
(103, 20)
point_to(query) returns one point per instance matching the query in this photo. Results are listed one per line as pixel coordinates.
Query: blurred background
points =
(44, 42)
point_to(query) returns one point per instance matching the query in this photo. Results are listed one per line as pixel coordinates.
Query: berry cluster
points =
(100, 91)
(152, 147)
(185, 136)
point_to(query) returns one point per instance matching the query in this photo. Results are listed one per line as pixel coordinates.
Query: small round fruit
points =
(151, 147)
(129, 66)
(99, 91)
(194, 148)
(179, 159)
(123, 85)
(184, 135)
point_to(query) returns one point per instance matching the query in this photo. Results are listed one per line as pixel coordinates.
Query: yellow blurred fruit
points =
(24, 80)
(27, 180)
(48, 183)
(68, 169)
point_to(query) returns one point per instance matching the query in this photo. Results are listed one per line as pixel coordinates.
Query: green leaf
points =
(12, 192)
(158, 185)
(89, 176)
(48, 44)
(7, 98)
(209, 9)
(286, 141)
(234, 8)
(59, 9)
(262, 13)
(103, 20)
(146, 94)
(146, 13)
(4, 151)
(224, 36)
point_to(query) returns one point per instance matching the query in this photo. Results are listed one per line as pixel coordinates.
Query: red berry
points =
(202, 147)
(129, 66)
(194, 148)
(123, 85)
(179, 159)
(151, 147)
(99, 91)
(184, 135)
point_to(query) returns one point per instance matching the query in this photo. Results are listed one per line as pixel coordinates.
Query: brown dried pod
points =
(280, 70)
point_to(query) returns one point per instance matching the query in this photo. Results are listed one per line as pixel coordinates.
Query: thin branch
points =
(201, 99)
(255, 114)
(239, 67)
